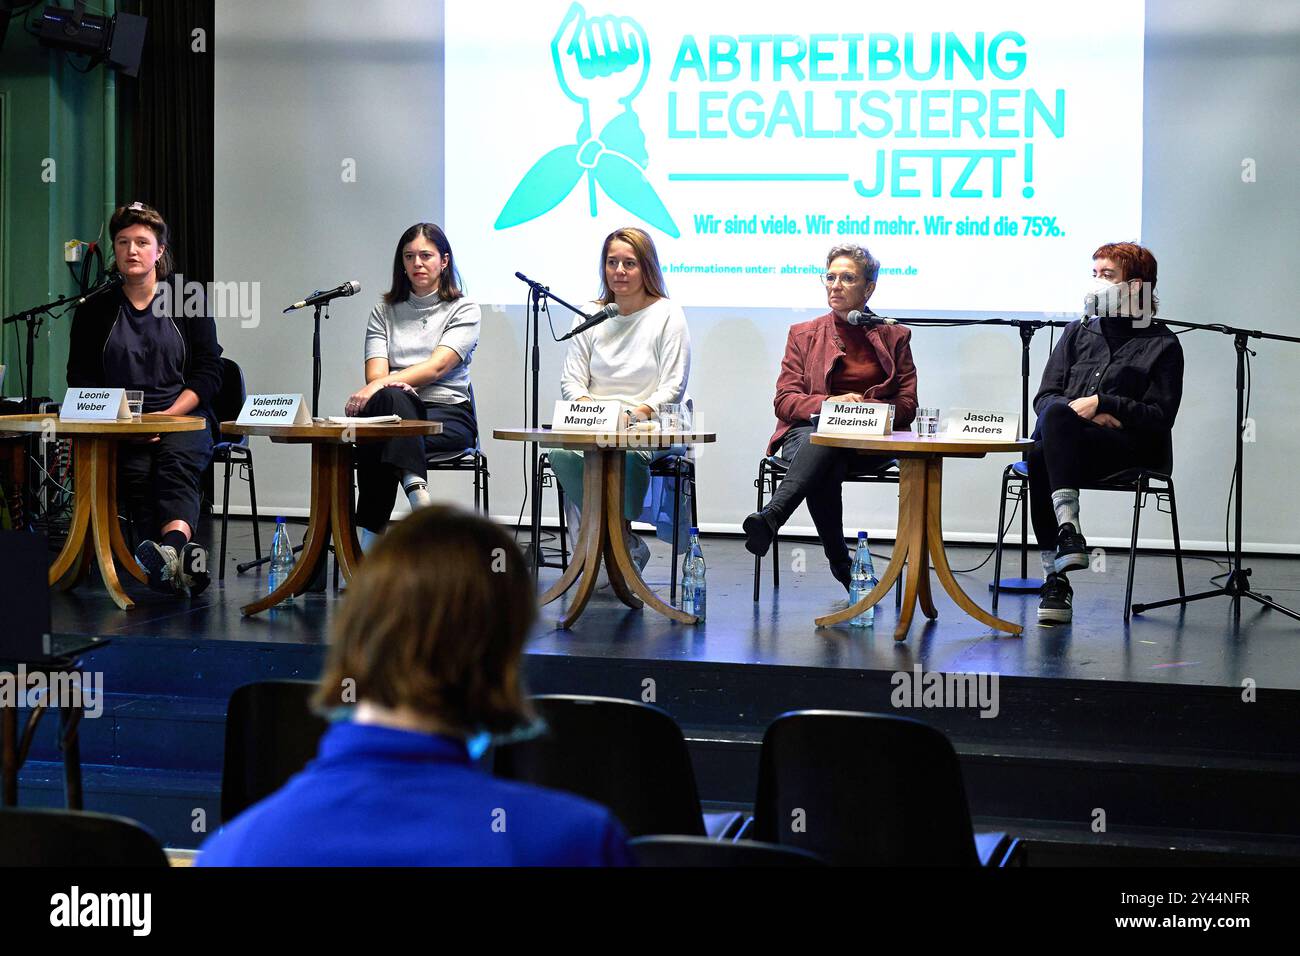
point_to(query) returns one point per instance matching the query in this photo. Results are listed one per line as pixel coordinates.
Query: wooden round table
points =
(600, 534)
(920, 522)
(94, 462)
(331, 505)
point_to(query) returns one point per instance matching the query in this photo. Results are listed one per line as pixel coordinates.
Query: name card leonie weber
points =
(981, 423)
(855, 418)
(287, 409)
(586, 416)
(95, 405)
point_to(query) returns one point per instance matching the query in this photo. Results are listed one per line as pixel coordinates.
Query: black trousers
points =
(816, 475)
(159, 481)
(1071, 451)
(380, 465)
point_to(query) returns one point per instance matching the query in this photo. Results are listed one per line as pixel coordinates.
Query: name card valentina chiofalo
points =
(95, 405)
(980, 424)
(586, 417)
(274, 410)
(855, 418)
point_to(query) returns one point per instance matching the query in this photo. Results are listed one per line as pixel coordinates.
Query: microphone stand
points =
(1237, 584)
(537, 294)
(1023, 584)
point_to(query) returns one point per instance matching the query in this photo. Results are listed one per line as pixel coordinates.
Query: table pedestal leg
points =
(911, 526)
(347, 550)
(71, 564)
(592, 533)
(116, 540)
(324, 461)
(934, 531)
(623, 574)
(102, 522)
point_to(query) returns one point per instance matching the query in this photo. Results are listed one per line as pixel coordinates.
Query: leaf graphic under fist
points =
(625, 183)
(543, 187)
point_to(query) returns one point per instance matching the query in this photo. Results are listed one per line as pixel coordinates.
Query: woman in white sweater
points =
(419, 342)
(641, 358)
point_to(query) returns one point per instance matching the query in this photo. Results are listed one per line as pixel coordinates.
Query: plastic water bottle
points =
(862, 581)
(694, 589)
(282, 560)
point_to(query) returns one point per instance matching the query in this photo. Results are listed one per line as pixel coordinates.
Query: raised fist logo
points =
(601, 63)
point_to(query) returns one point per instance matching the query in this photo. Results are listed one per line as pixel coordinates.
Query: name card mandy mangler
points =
(587, 416)
(980, 424)
(855, 418)
(95, 405)
(286, 409)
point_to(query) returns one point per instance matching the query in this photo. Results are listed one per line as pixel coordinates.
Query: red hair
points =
(1136, 261)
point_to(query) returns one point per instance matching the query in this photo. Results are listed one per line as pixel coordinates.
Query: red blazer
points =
(811, 351)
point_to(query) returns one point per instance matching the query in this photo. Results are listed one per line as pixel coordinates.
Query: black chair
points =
(679, 468)
(231, 451)
(629, 756)
(468, 459)
(867, 790)
(771, 469)
(271, 734)
(75, 838)
(1139, 482)
(686, 851)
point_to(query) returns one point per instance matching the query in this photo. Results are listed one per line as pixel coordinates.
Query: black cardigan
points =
(93, 321)
(1141, 384)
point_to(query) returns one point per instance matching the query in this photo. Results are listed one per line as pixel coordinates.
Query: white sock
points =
(367, 538)
(1065, 502)
(1049, 562)
(417, 491)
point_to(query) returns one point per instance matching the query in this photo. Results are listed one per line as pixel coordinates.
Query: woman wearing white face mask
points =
(1107, 403)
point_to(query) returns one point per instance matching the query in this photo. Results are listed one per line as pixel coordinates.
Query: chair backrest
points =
(624, 754)
(271, 734)
(863, 790)
(692, 851)
(229, 399)
(74, 838)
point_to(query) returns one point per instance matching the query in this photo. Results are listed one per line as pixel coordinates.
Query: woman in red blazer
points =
(830, 358)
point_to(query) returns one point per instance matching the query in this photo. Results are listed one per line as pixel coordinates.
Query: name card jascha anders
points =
(286, 409)
(981, 424)
(855, 418)
(586, 417)
(95, 405)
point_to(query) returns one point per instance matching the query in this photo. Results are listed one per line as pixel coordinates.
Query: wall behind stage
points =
(314, 91)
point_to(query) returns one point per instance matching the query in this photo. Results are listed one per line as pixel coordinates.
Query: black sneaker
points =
(161, 563)
(194, 576)
(1055, 599)
(1071, 550)
(843, 573)
(758, 534)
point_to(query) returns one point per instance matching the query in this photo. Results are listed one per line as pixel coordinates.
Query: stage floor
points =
(1200, 645)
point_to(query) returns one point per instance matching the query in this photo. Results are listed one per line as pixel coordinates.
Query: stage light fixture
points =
(117, 40)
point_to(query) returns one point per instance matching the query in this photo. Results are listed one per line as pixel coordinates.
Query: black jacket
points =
(93, 321)
(1141, 384)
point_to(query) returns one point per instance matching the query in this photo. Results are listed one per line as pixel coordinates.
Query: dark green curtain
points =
(166, 114)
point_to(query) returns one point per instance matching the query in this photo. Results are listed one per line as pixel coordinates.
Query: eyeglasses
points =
(832, 279)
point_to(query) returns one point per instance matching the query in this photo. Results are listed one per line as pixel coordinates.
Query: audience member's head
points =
(433, 627)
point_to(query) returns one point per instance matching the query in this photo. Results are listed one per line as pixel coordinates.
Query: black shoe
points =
(1055, 600)
(844, 574)
(1071, 550)
(194, 576)
(161, 563)
(758, 533)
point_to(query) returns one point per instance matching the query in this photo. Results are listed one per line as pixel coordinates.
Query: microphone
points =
(111, 281)
(868, 319)
(316, 298)
(608, 312)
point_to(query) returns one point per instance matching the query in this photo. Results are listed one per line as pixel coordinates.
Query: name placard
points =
(95, 405)
(587, 416)
(855, 418)
(286, 409)
(980, 423)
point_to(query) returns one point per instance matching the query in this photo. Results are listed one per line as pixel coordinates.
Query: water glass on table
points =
(670, 417)
(927, 422)
(135, 402)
